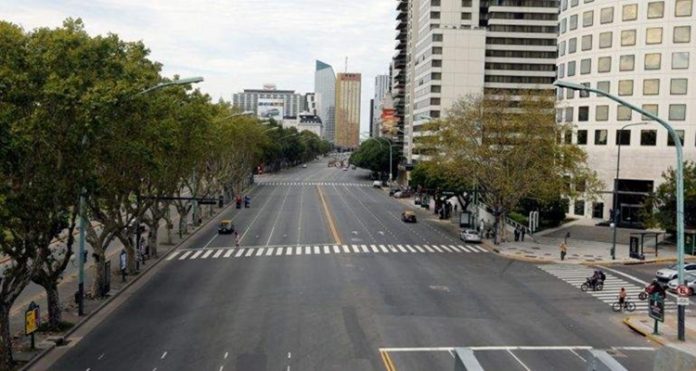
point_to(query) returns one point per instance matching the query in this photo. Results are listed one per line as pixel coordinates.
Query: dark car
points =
(226, 227)
(408, 216)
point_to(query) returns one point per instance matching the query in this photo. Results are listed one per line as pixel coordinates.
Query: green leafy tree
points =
(661, 207)
(373, 154)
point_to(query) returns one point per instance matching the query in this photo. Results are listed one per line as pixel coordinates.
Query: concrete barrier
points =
(674, 357)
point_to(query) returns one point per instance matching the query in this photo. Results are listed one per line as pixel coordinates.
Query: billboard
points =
(271, 109)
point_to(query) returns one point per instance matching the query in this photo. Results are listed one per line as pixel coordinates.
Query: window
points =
(677, 112)
(648, 137)
(466, 3)
(682, 8)
(571, 68)
(625, 87)
(437, 37)
(573, 22)
(587, 18)
(604, 86)
(600, 137)
(628, 37)
(436, 63)
(583, 113)
(435, 2)
(623, 113)
(604, 64)
(564, 4)
(437, 50)
(570, 94)
(653, 35)
(587, 42)
(572, 45)
(651, 86)
(656, 9)
(564, 25)
(466, 16)
(585, 66)
(569, 114)
(627, 63)
(680, 60)
(605, 40)
(630, 12)
(678, 86)
(651, 108)
(434, 15)
(682, 34)
(602, 113)
(623, 137)
(568, 137)
(561, 48)
(583, 93)
(573, 3)
(606, 15)
(436, 76)
(579, 208)
(561, 71)
(653, 61)
(680, 134)
(582, 137)
(559, 114)
(435, 88)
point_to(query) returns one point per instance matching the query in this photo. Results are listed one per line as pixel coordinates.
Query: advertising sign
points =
(271, 109)
(389, 121)
(656, 307)
(32, 319)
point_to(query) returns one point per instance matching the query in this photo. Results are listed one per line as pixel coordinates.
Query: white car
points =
(469, 235)
(689, 280)
(665, 275)
(377, 184)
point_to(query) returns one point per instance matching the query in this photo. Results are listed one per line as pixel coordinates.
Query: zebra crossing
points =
(304, 250)
(300, 184)
(576, 276)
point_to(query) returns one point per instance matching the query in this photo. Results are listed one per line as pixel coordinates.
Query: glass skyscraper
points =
(325, 90)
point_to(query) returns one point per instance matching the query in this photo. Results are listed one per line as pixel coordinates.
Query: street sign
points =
(682, 290)
(656, 307)
(208, 201)
(682, 301)
(32, 319)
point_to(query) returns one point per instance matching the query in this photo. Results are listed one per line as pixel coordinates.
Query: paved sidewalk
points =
(667, 331)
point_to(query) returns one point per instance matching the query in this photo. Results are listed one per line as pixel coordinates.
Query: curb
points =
(135, 279)
(649, 336)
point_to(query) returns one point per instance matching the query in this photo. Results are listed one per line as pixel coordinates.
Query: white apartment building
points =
(459, 47)
(643, 51)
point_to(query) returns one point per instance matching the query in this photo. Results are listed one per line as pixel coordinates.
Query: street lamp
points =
(616, 216)
(83, 222)
(680, 183)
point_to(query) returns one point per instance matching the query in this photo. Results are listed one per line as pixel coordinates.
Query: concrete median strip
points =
(628, 321)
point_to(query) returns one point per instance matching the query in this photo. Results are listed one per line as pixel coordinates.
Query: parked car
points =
(392, 191)
(226, 227)
(689, 280)
(377, 184)
(470, 235)
(408, 216)
(665, 275)
(304, 166)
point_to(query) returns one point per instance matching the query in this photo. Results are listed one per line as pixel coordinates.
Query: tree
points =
(509, 149)
(661, 207)
(373, 154)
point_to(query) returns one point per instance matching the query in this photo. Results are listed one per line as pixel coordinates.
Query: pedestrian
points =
(122, 264)
(517, 234)
(522, 231)
(455, 208)
(236, 238)
(564, 250)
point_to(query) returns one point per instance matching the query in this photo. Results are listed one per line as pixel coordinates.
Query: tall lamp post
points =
(616, 217)
(680, 184)
(83, 221)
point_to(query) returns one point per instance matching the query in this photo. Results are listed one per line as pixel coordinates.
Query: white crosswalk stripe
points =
(576, 275)
(311, 250)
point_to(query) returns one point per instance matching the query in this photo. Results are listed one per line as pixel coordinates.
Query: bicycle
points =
(627, 304)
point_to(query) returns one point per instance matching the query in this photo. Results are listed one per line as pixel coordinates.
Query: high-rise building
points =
(382, 86)
(269, 100)
(645, 52)
(310, 103)
(347, 127)
(448, 49)
(325, 95)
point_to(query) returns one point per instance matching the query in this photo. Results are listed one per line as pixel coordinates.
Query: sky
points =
(238, 44)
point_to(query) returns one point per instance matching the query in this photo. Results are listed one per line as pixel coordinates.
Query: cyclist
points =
(622, 297)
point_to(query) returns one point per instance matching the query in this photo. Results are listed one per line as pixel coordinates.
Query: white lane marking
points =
(374, 249)
(410, 248)
(346, 249)
(163, 355)
(481, 248)
(270, 235)
(473, 248)
(173, 255)
(419, 248)
(364, 248)
(226, 354)
(260, 252)
(503, 347)
(392, 248)
(308, 250)
(239, 253)
(384, 249)
(218, 253)
(401, 248)
(456, 248)
(289, 355)
(327, 250)
(228, 253)
(317, 251)
(221, 367)
(518, 360)
(574, 352)
(100, 356)
(195, 255)
(428, 248)
(280, 251)
(336, 250)
(289, 252)
(436, 248)
(249, 252)
(207, 254)
(355, 248)
(445, 248)
(298, 250)
(211, 241)
(269, 252)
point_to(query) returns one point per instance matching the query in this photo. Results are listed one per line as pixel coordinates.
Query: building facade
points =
(645, 52)
(347, 126)
(256, 100)
(325, 96)
(382, 87)
(304, 122)
(310, 103)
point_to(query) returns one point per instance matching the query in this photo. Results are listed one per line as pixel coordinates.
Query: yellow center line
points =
(329, 217)
(386, 359)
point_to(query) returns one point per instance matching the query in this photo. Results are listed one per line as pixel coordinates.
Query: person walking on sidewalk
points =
(522, 232)
(564, 250)
(122, 264)
(517, 234)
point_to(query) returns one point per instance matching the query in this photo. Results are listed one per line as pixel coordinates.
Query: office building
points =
(310, 103)
(325, 96)
(269, 102)
(304, 122)
(347, 126)
(382, 86)
(645, 52)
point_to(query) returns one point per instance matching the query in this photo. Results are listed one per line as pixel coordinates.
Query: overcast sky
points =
(238, 44)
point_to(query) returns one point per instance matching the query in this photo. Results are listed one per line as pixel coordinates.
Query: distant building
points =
(347, 127)
(382, 87)
(325, 98)
(269, 102)
(304, 122)
(373, 128)
(311, 103)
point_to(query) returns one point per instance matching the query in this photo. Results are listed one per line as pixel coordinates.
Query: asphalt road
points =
(327, 277)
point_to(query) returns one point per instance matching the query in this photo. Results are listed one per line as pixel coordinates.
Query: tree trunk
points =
(99, 268)
(152, 239)
(53, 299)
(6, 362)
